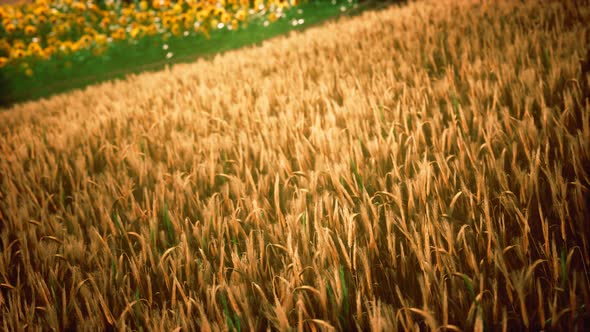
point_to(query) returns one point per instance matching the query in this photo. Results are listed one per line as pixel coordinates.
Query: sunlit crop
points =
(423, 167)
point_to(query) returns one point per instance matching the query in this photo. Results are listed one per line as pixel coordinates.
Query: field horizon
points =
(425, 166)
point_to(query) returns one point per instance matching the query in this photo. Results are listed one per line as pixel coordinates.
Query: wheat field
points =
(424, 166)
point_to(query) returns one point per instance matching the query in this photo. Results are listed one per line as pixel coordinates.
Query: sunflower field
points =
(44, 29)
(53, 46)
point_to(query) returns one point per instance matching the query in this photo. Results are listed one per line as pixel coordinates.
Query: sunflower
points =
(3, 61)
(10, 28)
(80, 20)
(177, 8)
(214, 23)
(202, 15)
(176, 30)
(18, 44)
(235, 24)
(66, 47)
(49, 51)
(4, 45)
(100, 39)
(225, 18)
(79, 7)
(119, 34)
(85, 41)
(141, 16)
(89, 31)
(241, 15)
(35, 49)
(105, 22)
(167, 21)
(30, 30)
(53, 19)
(18, 54)
(137, 32)
(41, 19)
(123, 20)
(152, 29)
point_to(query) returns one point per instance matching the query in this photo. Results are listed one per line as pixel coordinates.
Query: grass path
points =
(424, 166)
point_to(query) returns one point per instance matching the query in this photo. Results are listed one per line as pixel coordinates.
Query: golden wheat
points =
(422, 166)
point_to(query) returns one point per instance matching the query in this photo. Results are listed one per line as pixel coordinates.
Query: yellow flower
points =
(141, 16)
(49, 51)
(18, 44)
(152, 30)
(29, 72)
(30, 30)
(225, 18)
(62, 28)
(167, 21)
(282, 3)
(202, 15)
(85, 41)
(137, 32)
(105, 22)
(119, 34)
(18, 54)
(272, 17)
(89, 31)
(53, 19)
(128, 11)
(176, 30)
(10, 28)
(241, 15)
(143, 5)
(66, 47)
(41, 19)
(40, 11)
(29, 19)
(177, 8)
(52, 40)
(3, 61)
(75, 46)
(197, 6)
(235, 24)
(79, 6)
(35, 49)
(100, 39)
(4, 45)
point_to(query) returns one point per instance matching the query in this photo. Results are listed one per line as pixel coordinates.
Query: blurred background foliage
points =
(52, 46)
